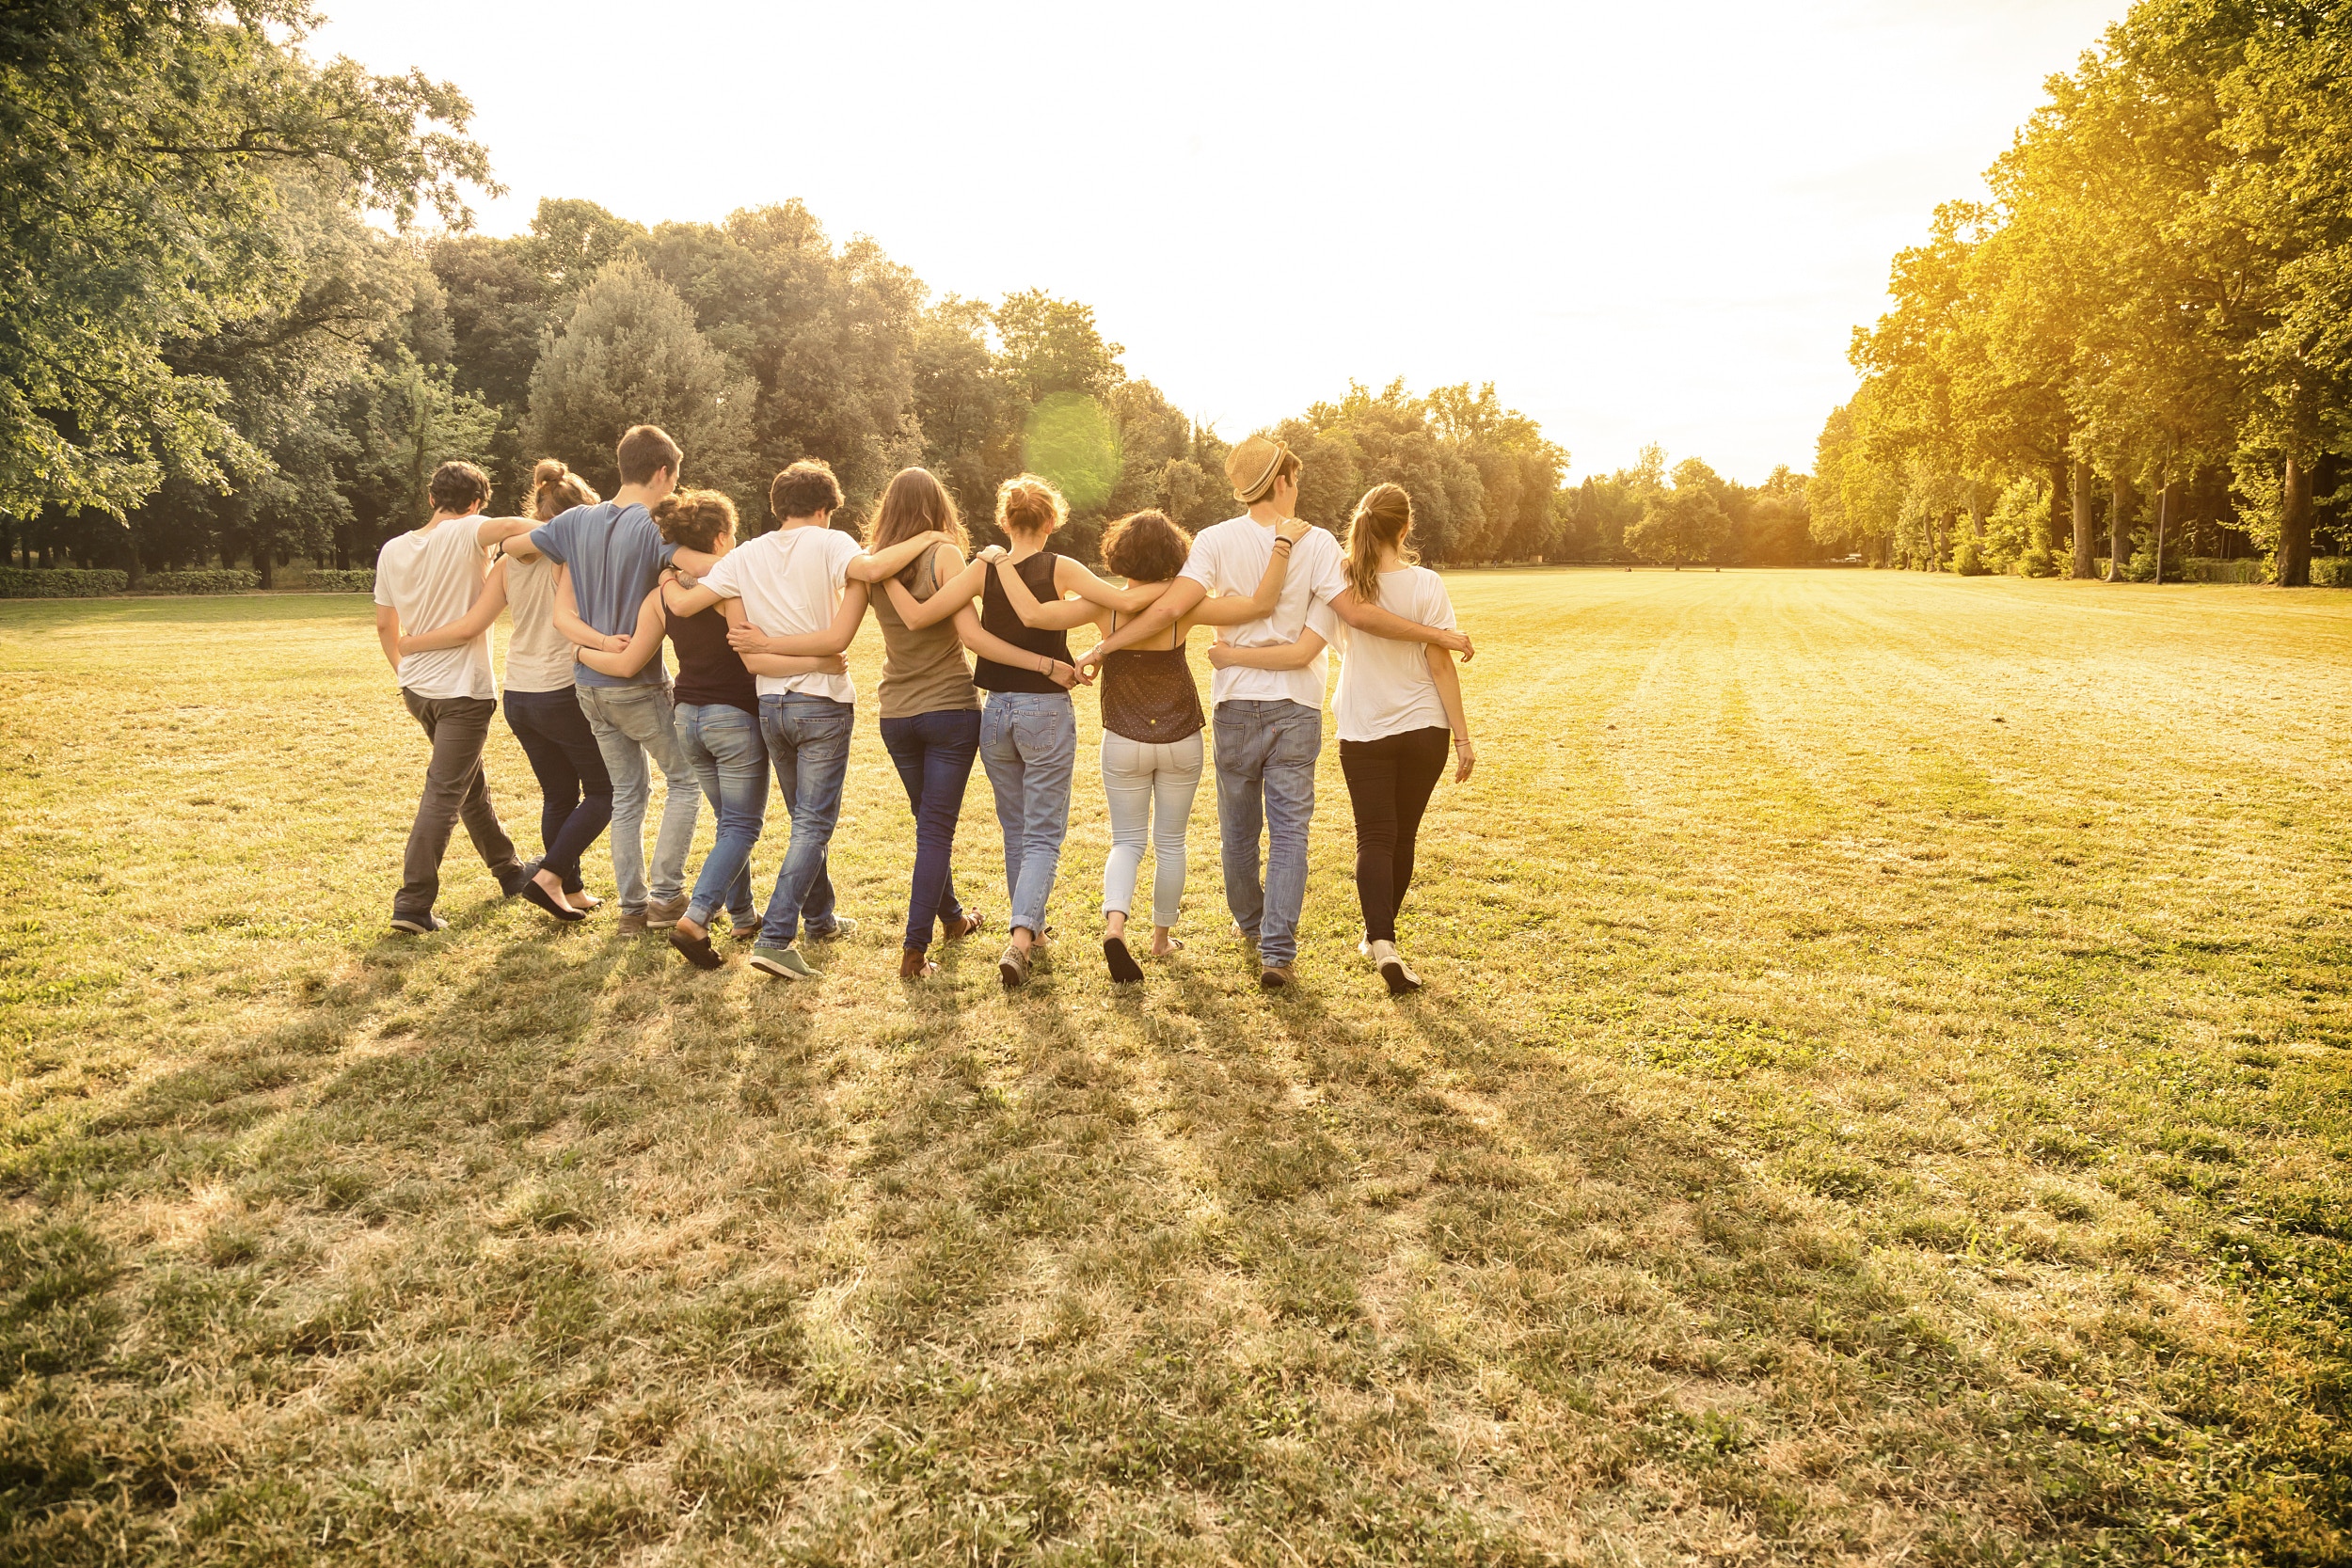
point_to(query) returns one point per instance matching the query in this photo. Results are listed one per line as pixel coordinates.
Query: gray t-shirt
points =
(616, 556)
(538, 657)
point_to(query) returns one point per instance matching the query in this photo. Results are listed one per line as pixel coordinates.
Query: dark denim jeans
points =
(575, 791)
(808, 743)
(455, 790)
(933, 753)
(722, 746)
(1265, 786)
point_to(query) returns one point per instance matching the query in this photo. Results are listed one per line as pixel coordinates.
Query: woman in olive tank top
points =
(1152, 722)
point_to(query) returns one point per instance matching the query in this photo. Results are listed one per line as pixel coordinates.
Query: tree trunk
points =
(2083, 567)
(2054, 526)
(265, 563)
(2295, 528)
(2119, 530)
(137, 572)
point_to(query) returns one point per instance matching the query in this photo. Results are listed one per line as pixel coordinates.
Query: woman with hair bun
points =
(1398, 707)
(1151, 720)
(575, 792)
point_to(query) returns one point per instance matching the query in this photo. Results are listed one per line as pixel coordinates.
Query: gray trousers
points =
(455, 789)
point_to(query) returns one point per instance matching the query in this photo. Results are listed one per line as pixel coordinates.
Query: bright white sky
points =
(1641, 222)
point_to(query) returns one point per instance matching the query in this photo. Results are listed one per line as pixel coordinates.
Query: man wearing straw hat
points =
(1268, 727)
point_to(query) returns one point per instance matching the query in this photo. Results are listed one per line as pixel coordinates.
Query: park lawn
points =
(1882, 1095)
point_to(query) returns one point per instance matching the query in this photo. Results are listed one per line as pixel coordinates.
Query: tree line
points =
(221, 339)
(2139, 349)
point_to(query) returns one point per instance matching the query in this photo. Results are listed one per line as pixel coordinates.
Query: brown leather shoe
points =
(633, 925)
(972, 920)
(1275, 977)
(914, 964)
(746, 933)
(665, 912)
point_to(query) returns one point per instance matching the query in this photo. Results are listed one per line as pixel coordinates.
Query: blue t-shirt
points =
(616, 556)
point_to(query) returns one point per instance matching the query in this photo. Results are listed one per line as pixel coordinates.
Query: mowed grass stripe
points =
(1839, 1126)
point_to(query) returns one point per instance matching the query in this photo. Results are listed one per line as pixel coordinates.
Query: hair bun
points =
(1030, 504)
(548, 470)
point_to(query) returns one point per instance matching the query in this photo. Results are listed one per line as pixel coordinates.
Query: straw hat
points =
(1252, 466)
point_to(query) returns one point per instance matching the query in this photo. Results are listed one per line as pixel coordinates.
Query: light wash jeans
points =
(1141, 779)
(1265, 782)
(809, 741)
(633, 723)
(722, 744)
(1030, 744)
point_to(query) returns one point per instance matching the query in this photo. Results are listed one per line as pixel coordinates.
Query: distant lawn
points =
(1885, 1093)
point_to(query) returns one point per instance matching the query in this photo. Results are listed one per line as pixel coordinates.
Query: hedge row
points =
(230, 581)
(60, 582)
(358, 580)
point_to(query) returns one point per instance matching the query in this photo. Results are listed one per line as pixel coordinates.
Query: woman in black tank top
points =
(1152, 721)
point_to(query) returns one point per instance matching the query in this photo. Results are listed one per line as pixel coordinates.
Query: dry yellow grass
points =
(1881, 1096)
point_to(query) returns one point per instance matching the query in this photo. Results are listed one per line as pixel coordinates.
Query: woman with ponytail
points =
(575, 792)
(1399, 705)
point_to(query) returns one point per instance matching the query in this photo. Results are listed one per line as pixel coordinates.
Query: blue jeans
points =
(809, 741)
(575, 791)
(1266, 782)
(723, 745)
(1030, 744)
(633, 723)
(933, 753)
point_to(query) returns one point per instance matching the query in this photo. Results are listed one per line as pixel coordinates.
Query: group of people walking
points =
(762, 697)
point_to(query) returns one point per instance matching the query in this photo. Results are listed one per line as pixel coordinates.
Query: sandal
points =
(1122, 963)
(972, 920)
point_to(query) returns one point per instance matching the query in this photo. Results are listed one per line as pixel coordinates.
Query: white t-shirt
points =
(430, 576)
(538, 657)
(790, 583)
(1230, 557)
(1385, 685)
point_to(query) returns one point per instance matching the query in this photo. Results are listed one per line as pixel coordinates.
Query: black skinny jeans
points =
(575, 792)
(1389, 784)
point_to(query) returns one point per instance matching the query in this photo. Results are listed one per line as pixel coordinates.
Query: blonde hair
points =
(1029, 504)
(555, 488)
(1382, 519)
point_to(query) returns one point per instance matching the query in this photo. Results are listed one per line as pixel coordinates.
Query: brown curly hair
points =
(694, 519)
(1145, 547)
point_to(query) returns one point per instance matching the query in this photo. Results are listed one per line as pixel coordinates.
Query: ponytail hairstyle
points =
(694, 519)
(555, 488)
(1028, 504)
(1382, 518)
(916, 502)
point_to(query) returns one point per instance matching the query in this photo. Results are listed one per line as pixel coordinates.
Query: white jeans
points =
(1141, 781)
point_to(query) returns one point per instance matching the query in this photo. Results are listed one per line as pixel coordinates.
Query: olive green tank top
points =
(923, 671)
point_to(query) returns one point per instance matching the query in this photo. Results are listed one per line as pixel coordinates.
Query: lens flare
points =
(1071, 440)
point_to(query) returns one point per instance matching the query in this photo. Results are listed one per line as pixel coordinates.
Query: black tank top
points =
(998, 616)
(708, 670)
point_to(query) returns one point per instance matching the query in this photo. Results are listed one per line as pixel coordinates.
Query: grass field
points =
(1883, 1095)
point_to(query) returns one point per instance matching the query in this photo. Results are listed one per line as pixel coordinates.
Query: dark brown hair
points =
(694, 519)
(644, 452)
(916, 502)
(1145, 547)
(804, 489)
(555, 488)
(1382, 518)
(1028, 504)
(458, 487)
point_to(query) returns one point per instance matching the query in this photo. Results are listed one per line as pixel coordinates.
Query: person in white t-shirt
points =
(424, 579)
(801, 591)
(1268, 723)
(1398, 707)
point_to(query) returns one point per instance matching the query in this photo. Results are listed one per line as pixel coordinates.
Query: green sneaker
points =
(786, 963)
(842, 927)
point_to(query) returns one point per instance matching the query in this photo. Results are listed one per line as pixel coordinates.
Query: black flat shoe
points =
(1123, 966)
(697, 950)
(1399, 978)
(532, 892)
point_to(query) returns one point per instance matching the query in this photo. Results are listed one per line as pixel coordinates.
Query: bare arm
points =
(1281, 656)
(1371, 619)
(1176, 604)
(747, 639)
(1234, 609)
(575, 630)
(1061, 615)
(695, 563)
(1071, 577)
(388, 634)
(505, 531)
(952, 593)
(641, 645)
(487, 602)
(778, 664)
(875, 566)
(989, 646)
(1457, 717)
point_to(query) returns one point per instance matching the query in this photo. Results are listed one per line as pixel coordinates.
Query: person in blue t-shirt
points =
(612, 555)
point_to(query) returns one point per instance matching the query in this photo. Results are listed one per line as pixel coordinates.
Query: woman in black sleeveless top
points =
(1151, 722)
